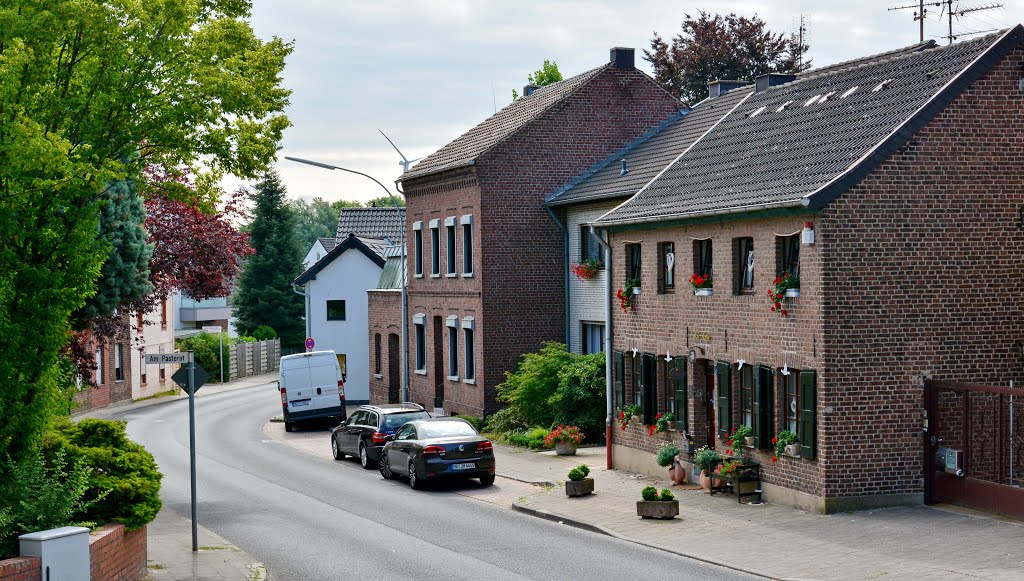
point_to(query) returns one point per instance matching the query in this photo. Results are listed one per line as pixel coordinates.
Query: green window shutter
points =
(682, 406)
(618, 379)
(766, 398)
(807, 423)
(724, 380)
(648, 373)
(755, 408)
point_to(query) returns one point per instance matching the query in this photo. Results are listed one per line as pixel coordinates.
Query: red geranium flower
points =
(774, 459)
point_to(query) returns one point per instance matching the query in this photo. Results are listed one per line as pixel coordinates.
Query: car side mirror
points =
(389, 438)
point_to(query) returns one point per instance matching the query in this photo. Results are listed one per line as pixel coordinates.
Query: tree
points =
(721, 47)
(386, 202)
(316, 219)
(90, 93)
(264, 295)
(547, 73)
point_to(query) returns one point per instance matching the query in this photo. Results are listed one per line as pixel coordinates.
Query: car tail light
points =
(439, 450)
(484, 446)
(284, 396)
(341, 387)
(378, 438)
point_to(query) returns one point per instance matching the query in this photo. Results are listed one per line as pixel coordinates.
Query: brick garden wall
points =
(21, 569)
(385, 318)
(114, 555)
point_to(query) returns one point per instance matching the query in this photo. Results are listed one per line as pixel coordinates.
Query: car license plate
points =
(466, 466)
(299, 403)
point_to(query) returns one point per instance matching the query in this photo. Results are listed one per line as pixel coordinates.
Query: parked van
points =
(311, 387)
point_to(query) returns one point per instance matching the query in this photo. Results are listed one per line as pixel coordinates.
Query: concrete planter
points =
(565, 448)
(579, 487)
(703, 292)
(793, 449)
(748, 441)
(663, 509)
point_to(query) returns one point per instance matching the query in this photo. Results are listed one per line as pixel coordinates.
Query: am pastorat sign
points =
(162, 358)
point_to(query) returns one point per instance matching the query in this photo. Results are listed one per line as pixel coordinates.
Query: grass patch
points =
(161, 394)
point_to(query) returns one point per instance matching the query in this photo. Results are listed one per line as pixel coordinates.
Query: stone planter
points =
(748, 441)
(792, 293)
(579, 487)
(670, 426)
(793, 449)
(663, 509)
(636, 290)
(677, 473)
(703, 292)
(565, 448)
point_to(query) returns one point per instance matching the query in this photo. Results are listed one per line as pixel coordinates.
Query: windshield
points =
(394, 421)
(446, 429)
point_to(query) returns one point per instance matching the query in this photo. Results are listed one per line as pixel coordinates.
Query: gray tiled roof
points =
(470, 145)
(327, 243)
(376, 245)
(759, 157)
(372, 248)
(371, 223)
(648, 155)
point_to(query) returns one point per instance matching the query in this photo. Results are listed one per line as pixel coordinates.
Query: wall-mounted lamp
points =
(807, 235)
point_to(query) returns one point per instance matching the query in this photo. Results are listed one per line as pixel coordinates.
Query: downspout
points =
(565, 268)
(298, 292)
(607, 342)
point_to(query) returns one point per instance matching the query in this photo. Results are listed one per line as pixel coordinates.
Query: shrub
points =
(120, 468)
(666, 494)
(477, 423)
(579, 398)
(506, 420)
(206, 347)
(667, 454)
(649, 493)
(576, 475)
(532, 438)
(264, 332)
(533, 383)
(585, 469)
(705, 457)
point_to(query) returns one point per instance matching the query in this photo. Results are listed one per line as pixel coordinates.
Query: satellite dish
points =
(405, 163)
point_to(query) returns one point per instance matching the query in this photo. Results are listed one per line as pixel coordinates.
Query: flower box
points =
(703, 292)
(661, 509)
(793, 450)
(792, 293)
(575, 488)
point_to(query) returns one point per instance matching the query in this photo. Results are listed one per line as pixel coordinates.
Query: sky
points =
(426, 71)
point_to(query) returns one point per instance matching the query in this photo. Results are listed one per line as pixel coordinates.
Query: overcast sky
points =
(425, 71)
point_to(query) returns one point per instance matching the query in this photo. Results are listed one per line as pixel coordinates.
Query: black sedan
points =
(436, 449)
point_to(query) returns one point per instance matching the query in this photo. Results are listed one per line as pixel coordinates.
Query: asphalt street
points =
(310, 518)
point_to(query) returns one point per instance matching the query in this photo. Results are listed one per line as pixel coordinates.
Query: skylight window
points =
(811, 101)
(883, 85)
(757, 112)
(826, 97)
(849, 92)
(783, 106)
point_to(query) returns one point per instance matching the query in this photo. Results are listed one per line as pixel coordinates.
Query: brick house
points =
(112, 377)
(384, 305)
(486, 259)
(893, 186)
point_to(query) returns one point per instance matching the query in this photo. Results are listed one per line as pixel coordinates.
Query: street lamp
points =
(405, 281)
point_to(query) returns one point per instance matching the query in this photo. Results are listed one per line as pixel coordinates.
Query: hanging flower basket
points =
(628, 296)
(587, 269)
(785, 286)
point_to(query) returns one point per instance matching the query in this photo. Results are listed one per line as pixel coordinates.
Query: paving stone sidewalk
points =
(171, 558)
(772, 540)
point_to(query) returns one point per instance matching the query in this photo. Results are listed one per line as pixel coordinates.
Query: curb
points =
(258, 572)
(594, 528)
(545, 483)
(130, 406)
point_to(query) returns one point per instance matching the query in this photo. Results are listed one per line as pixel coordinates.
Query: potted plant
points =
(704, 459)
(666, 421)
(565, 439)
(701, 285)
(741, 436)
(587, 269)
(668, 457)
(579, 484)
(630, 412)
(657, 504)
(628, 295)
(786, 443)
(728, 467)
(785, 286)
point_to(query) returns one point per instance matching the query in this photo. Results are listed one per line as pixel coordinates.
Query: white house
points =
(319, 249)
(152, 332)
(335, 288)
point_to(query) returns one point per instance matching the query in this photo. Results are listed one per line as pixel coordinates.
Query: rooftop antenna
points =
(405, 163)
(920, 13)
(958, 12)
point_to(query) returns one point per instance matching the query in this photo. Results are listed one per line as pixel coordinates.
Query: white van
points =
(311, 387)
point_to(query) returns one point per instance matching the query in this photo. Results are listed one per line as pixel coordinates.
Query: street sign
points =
(181, 377)
(161, 358)
(212, 329)
(310, 343)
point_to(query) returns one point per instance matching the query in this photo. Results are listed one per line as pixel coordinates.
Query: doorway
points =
(709, 402)
(438, 363)
(394, 372)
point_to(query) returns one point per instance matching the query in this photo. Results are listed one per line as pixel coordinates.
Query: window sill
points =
(378, 376)
(467, 275)
(435, 275)
(793, 456)
(454, 378)
(469, 381)
(418, 275)
(420, 371)
(451, 275)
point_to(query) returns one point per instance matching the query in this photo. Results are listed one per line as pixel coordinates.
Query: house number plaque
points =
(704, 336)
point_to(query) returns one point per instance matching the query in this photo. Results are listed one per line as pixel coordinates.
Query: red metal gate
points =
(975, 446)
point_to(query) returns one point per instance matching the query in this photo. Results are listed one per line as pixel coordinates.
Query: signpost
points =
(220, 331)
(309, 344)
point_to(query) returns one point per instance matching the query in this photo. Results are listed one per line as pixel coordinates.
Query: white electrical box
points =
(64, 552)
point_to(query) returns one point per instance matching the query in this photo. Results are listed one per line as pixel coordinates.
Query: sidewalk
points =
(771, 540)
(169, 536)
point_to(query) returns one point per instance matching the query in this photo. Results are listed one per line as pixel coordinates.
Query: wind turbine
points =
(405, 163)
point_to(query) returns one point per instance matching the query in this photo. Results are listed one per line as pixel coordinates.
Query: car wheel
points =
(385, 469)
(338, 454)
(487, 480)
(414, 481)
(364, 458)
(289, 426)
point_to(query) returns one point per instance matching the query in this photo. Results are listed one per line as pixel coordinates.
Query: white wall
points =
(347, 278)
(315, 253)
(586, 297)
(152, 338)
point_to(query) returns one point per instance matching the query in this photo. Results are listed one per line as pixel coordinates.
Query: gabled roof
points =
(648, 155)
(372, 248)
(469, 146)
(327, 243)
(380, 222)
(804, 143)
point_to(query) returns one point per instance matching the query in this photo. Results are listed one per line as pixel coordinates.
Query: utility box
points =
(950, 461)
(64, 552)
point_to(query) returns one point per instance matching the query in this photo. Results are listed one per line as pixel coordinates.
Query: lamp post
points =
(405, 281)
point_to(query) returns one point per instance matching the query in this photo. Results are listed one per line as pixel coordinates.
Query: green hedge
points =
(206, 347)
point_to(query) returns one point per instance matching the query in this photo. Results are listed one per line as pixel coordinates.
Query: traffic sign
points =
(162, 358)
(310, 343)
(212, 328)
(181, 377)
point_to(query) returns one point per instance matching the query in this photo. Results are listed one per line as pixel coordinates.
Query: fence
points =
(247, 359)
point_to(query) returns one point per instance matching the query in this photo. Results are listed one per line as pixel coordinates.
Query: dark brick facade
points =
(916, 272)
(385, 317)
(516, 293)
(112, 389)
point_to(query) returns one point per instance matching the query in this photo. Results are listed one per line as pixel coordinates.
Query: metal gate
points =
(974, 445)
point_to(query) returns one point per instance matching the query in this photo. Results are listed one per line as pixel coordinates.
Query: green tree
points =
(547, 73)
(386, 202)
(721, 47)
(315, 219)
(264, 295)
(90, 93)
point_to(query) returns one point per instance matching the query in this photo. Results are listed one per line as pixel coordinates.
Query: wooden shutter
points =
(755, 409)
(618, 379)
(807, 422)
(682, 406)
(648, 375)
(764, 407)
(724, 380)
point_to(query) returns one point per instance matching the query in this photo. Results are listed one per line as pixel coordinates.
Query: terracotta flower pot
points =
(677, 473)
(565, 448)
(706, 481)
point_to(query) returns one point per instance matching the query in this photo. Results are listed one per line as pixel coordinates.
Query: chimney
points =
(529, 89)
(720, 87)
(772, 80)
(622, 58)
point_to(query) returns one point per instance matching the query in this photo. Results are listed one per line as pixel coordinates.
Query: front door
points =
(438, 363)
(709, 402)
(394, 376)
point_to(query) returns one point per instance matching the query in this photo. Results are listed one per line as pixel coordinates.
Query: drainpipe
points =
(607, 342)
(298, 292)
(565, 268)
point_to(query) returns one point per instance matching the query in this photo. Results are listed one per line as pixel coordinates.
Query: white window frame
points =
(118, 362)
(99, 366)
(417, 257)
(450, 247)
(469, 344)
(453, 347)
(419, 322)
(435, 248)
(466, 221)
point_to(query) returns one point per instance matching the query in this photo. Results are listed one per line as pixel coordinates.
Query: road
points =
(310, 518)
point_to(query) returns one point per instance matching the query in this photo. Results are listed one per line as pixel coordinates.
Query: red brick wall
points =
(21, 569)
(111, 390)
(925, 263)
(116, 554)
(385, 318)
